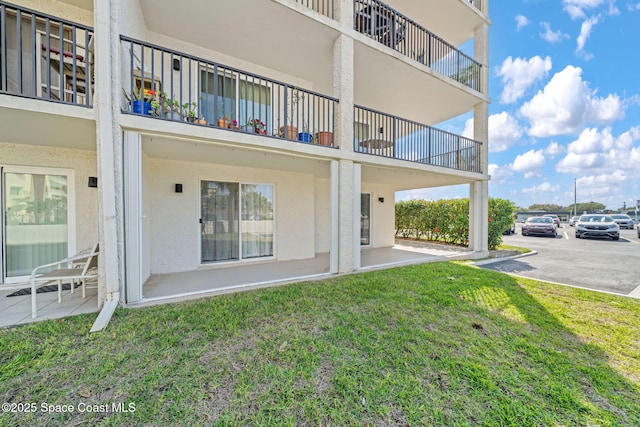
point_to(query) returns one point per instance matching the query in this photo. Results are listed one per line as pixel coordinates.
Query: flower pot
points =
(289, 132)
(201, 121)
(141, 107)
(222, 123)
(325, 138)
(173, 115)
(305, 137)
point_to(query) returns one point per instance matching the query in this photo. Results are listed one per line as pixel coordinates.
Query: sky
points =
(564, 83)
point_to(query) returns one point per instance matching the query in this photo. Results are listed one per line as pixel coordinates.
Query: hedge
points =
(448, 220)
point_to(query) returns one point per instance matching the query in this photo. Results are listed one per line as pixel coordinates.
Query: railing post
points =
(215, 94)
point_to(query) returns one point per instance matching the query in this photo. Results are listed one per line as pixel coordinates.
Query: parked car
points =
(556, 219)
(597, 225)
(624, 221)
(511, 229)
(541, 225)
(573, 220)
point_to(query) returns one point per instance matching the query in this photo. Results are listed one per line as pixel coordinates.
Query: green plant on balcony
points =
(467, 75)
(290, 131)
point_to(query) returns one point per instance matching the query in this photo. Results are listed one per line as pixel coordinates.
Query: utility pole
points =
(575, 197)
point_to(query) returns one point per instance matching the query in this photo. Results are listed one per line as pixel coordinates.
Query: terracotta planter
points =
(289, 132)
(225, 124)
(325, 138)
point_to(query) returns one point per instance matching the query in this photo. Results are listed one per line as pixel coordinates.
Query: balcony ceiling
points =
(452, 20)
(391, 86)
(257, 31)
(82, 4)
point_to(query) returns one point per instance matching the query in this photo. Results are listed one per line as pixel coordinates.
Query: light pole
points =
(575, 197)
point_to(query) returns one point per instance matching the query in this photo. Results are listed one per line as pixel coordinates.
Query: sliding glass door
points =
(37, 219)
(236, 221)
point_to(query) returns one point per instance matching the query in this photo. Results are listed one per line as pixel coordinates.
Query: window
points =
(237, 221)
(240, 97)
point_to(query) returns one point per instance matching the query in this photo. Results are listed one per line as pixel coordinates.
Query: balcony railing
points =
(185, 88)
(323, 7)
(392, 29)
(45, 57)
(385, 135)
(477, 4)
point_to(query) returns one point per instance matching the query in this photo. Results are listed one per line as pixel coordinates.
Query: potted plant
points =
(323, 138)
(224, 122)
(140, 100)
(258, 126)
(190, 111)
(168, 108)
(290, 131)
(234, 124)
(305, 135)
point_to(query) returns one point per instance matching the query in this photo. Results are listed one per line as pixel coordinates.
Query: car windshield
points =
(540, 220)
(620, 217)
(596, 218)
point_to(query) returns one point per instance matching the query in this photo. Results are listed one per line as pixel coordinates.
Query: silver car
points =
(624, 221)
(573, 220)
(597, 225)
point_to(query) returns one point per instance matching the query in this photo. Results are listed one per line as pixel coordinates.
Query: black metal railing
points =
(385, 135)
(393, 29)
(323, 7)
(45, 57)
(171, 85)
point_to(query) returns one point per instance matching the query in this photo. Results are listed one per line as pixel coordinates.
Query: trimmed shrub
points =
(448, 220)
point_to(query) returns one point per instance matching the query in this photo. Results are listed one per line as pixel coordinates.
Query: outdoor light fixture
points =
(381, 199)
(176, 64)
(178, 188)
(93, 182)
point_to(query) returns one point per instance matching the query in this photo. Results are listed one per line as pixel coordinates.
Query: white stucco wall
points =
(173, 238)
(82, 162)
(322, 225)
(382, 214)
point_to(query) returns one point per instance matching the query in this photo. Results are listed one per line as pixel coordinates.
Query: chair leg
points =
(73, 282)
(83, 282)
(59, 291)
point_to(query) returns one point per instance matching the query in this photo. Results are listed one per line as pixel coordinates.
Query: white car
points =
(573, 220)
(624, 221)
(597, 225)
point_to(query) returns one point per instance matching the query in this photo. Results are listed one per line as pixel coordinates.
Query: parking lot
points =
(600, 264)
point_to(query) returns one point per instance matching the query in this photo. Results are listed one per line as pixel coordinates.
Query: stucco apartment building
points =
(203, 135)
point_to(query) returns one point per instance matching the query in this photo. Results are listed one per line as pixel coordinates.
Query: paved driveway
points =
(605, 265)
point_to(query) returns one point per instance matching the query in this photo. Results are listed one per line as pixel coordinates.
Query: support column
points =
(108, 143)
(346, 217)
(357, 214)
(133, 215)
(335, 216)
(478, 216)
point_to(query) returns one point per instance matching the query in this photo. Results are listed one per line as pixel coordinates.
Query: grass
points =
(439, 344)
(504, 247)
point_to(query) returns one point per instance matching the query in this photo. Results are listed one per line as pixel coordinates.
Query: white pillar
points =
(335, 216)
(357, 214)
(346, 214)
(133, 215)
(108, 138)
(343, 90)
(478, 216)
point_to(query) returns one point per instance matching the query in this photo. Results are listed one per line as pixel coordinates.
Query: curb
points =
(506, 258)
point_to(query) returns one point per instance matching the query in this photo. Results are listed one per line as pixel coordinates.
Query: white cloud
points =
(552, 36)
(521, 21)
(504, 131)
(499, 174)
(529, 163)
(585, 32)
(633, 7)
(566, 104)
(519, 74)
(577, 8)
(604, 188)
(554, 149)
(601, 152)
(541, 190)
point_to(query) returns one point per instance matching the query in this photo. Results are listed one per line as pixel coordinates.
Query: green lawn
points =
(437, 344)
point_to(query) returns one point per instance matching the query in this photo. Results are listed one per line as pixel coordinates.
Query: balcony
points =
(381, 134)
(388, 27)
(44, 57)
(169, 85)
(323, 7)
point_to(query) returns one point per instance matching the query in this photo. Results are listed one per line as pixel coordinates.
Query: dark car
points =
(555, 218)
(597, 225)
(624, 221)
(540, 225)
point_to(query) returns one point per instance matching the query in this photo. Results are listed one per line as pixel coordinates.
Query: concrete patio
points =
(221, 279)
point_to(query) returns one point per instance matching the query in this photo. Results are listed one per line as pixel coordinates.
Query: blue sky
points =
(564, 80)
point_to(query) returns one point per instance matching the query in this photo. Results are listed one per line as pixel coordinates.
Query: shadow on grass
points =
(437, 344)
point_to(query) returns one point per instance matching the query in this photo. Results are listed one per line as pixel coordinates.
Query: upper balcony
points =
(296, 39)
